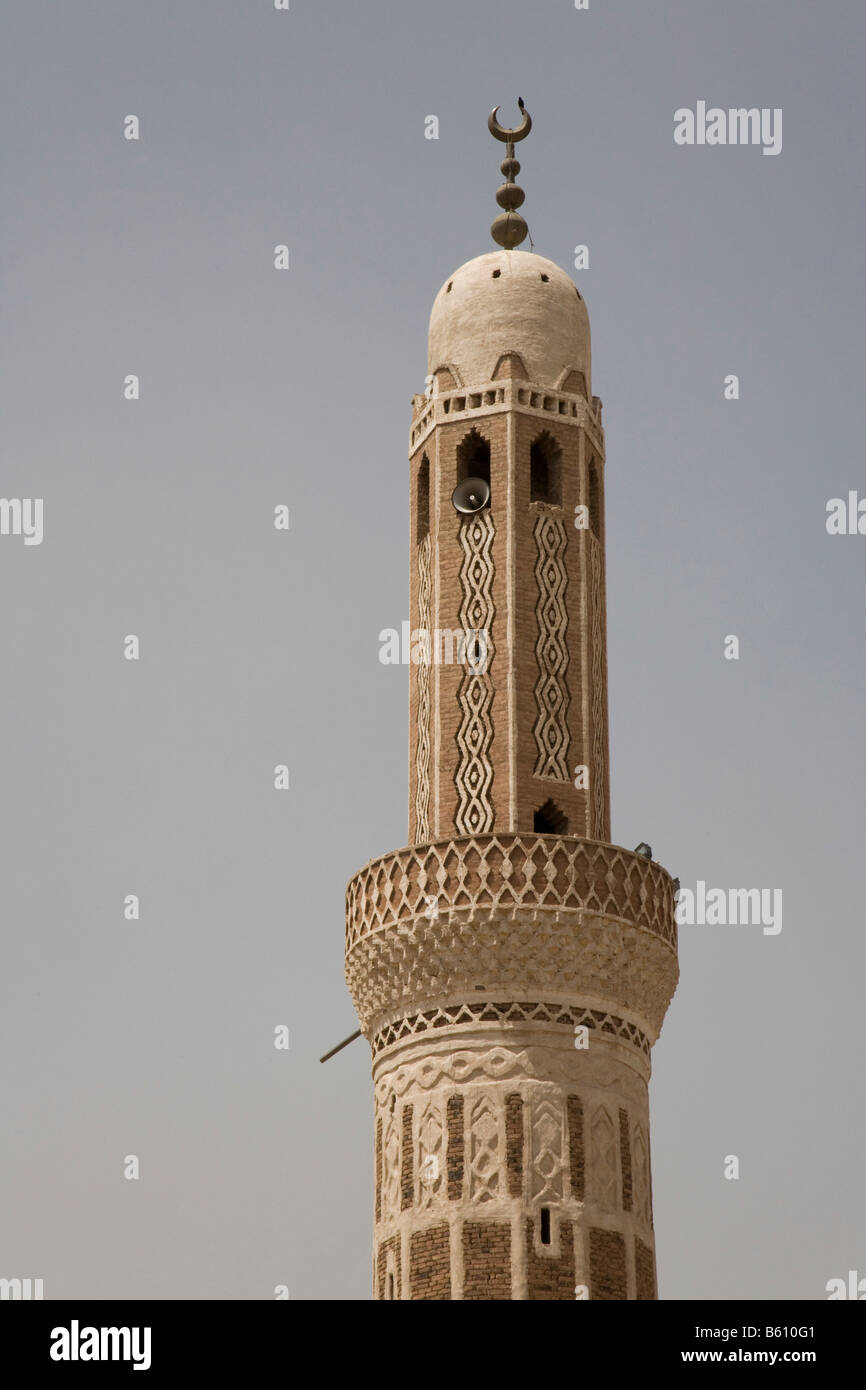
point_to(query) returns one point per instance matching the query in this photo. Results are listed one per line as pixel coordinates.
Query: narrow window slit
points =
(545, 1225)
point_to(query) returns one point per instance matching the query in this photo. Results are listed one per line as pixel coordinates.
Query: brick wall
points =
(645, 1271)
(407, 1175)
(607, 1276)
(514, 1144)
(430, 1264)
(486, 1260)
(625, 1159)
(577, 1160)
(454, 1158)
(549, 1278)
(533, 791)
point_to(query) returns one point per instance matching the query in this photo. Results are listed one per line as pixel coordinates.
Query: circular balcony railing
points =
(510, 871)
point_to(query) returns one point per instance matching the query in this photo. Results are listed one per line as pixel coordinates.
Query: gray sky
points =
(259, 387)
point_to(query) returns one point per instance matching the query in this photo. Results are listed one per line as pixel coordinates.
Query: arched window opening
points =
(422, 500)
(594, 500)
(473, 458)
(545, 471)
(550, 820)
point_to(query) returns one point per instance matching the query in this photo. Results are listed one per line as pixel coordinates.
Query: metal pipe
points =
(340, 1046)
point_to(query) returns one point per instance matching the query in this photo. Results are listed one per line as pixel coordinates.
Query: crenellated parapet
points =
(446, 406)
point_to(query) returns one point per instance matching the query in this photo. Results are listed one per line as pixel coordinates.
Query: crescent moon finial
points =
(519, 132)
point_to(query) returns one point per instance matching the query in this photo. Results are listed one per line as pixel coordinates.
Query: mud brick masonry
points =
(511, 968)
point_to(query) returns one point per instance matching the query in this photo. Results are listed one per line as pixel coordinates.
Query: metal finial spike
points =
(509, 228)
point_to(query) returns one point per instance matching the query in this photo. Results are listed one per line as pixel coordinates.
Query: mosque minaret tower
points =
(510, 968)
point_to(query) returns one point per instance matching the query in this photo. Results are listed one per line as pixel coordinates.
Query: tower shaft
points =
(491, 749)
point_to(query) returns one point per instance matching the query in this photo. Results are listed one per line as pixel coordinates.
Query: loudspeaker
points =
(471, 495)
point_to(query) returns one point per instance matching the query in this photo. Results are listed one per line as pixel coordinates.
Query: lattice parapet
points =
(511, 871)
(521, 916)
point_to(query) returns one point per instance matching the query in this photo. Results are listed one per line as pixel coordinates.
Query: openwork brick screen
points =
(504, 871)
(509, 1011)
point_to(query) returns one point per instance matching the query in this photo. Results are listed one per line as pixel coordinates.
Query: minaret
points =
(510, 968)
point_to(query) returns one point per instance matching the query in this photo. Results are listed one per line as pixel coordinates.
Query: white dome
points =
(530, 307)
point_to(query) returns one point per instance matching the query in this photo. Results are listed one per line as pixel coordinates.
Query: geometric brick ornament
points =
(551, 690)
(474, 776)
(422, 746)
